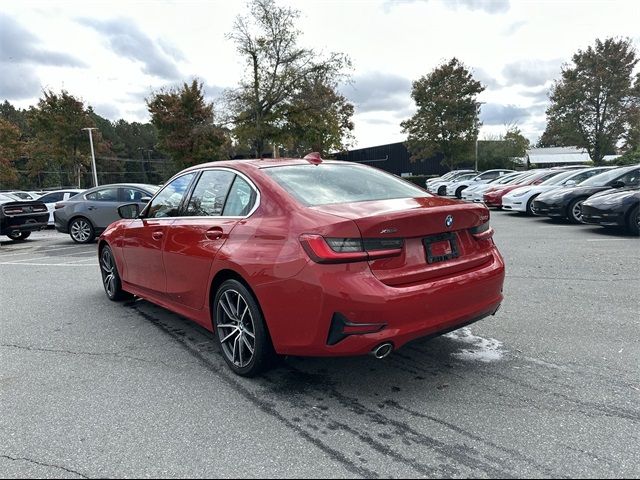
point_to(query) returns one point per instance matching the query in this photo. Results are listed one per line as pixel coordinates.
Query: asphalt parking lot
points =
(549, 387)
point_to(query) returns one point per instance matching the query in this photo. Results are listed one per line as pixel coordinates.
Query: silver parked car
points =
(87, 214)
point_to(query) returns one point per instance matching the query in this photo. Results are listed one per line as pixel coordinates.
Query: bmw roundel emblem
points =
(449, 221)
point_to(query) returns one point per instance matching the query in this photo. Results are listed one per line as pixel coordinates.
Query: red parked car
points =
(305, 257)
(493, 196)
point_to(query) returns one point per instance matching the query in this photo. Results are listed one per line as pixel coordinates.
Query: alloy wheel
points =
(576, 212)
(107, 266)
(81, 231)
(236, 328)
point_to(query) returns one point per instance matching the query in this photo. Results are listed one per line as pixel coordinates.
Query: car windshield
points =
(506, 178)
(603, 178)
(334, 183)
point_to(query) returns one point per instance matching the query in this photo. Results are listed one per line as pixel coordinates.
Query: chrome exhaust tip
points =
(382, 351)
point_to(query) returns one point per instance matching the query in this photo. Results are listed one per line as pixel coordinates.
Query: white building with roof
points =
(558, 156)
(550, 156)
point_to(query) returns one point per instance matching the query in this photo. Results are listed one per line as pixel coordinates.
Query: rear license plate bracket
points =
(437, 252)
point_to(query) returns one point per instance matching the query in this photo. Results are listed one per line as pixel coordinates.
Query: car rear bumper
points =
(23, 223)
(301, 326)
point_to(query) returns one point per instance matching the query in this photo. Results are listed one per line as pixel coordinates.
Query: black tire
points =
(633, 221)
(529, 205)
(110, 276)
(442, 191)
(234, 327)
(459, 192)
(572, 210)
(81, 230)
(20, 237)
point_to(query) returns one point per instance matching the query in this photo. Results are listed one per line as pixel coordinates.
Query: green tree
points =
(594, 99)
(10, 150)
(317, 119)
(185, 125)
(558, 134)
(278, 69)
(59, 151)
(502, 151)
(446, 120)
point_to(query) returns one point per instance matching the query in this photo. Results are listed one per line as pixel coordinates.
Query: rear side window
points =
(210, 193)
(240, 200)
(328, 183)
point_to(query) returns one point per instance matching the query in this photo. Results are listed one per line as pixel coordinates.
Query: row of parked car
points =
(607, 196)
(83, 214)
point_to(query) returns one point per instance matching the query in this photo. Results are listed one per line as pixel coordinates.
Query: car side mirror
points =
(570, 183)
(145, 199)
(617, 184)
(129, 211)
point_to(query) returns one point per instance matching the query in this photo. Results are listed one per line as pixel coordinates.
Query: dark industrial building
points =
(394, 158)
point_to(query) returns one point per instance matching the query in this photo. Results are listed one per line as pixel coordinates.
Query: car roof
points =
(145, 186)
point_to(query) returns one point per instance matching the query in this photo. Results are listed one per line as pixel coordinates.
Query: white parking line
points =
(52, 249)
(54, 264)
(607, 240)
(88, 255)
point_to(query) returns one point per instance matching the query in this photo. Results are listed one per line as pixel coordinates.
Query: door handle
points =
(157, 235)
(92, 208)
(214, 233)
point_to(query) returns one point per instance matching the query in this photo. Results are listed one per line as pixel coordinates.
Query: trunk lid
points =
(436, 234)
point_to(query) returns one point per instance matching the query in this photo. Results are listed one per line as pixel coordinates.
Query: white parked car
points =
(456, 188)
(469, 192)
(431, 183)
(441, 187)
(51, 198)
(28, 196)
(478, 195)
(521, 199)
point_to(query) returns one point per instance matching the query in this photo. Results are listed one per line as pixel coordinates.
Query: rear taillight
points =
(482, 232)
(12, 210)
(342, 250)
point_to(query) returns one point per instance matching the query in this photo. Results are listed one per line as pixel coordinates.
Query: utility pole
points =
(476, 154)
(93, 156)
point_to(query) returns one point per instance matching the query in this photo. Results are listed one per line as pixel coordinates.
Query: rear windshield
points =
(330, 183)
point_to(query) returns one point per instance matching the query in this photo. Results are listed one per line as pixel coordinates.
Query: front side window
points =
(210, 193)
(631, 179)
(167, 203)
(329, 183)
(104, 195)
(132, 194)
(240, 200)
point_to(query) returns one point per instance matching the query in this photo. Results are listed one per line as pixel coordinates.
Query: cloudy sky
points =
(113, 54)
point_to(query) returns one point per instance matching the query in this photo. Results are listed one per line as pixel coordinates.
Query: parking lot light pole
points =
(93, 156)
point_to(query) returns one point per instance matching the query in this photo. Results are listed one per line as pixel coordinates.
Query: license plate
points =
(441, 247)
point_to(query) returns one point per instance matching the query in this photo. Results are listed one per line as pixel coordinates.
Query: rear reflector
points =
(342, 250)
(341, 328)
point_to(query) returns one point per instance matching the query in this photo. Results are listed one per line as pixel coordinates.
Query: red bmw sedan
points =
(305, 257)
